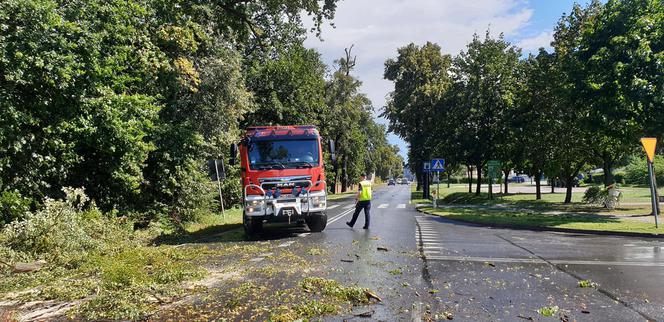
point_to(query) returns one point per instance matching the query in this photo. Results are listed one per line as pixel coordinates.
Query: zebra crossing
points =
(428, 237)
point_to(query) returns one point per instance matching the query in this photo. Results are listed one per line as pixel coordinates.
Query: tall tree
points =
(289, 89)
(348, 111)
(129, 97)
(486, 77)
(621, 54)
(421, 78)
(535, 119)
(573, 142)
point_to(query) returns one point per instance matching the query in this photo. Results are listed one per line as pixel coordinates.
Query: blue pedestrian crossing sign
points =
(437, 165)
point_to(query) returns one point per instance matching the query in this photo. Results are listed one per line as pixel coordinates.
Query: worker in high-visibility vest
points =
(363, 201)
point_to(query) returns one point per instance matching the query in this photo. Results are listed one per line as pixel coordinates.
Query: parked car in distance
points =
(391, 182)
(517, 179)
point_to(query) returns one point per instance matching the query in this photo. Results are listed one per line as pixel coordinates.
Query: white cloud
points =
(533, 44)
(378, 27)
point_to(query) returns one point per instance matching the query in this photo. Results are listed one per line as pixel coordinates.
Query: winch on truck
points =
(283, 177)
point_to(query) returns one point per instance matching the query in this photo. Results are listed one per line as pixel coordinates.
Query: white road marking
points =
(383, 206)
(539, 261)
(401, 206)
(303, 234)
(332, 207)
(339, 216)
(257, 259)
(349, 206)
(286, 244)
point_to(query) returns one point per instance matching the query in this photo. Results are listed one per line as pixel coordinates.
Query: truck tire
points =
(317, 222)
(251, 227)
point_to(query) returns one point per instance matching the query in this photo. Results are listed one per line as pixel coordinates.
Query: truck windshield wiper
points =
(304, 164)
(278, 165)
(269, 165)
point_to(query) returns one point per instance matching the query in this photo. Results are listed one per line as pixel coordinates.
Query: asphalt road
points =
(475, 273)
(426, 268)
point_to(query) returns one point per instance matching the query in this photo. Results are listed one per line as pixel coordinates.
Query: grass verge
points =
(530, 220)
(342, 195)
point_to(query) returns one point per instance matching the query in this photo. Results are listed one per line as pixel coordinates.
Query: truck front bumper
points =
(293, 207)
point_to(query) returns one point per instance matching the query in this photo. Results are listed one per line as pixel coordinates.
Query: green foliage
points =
(334, 289)
(64, 232)
(587, 284)
(12, 206)
(349, 123)
(636, 171)
(289, 89)
(129, 98)
(421, 79)
(89, 255)
(548, 311)
(599, 196)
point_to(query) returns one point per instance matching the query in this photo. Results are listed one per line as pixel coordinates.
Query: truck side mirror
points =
(330, 148)
(233, 159)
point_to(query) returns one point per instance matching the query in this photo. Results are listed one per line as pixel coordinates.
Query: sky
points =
(376, 28)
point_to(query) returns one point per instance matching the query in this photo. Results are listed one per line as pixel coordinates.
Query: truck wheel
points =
(252, 226)
(317, 222)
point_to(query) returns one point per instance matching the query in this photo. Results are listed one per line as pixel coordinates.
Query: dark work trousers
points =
(366, 205)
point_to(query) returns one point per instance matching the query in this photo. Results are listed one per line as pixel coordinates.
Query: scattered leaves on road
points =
(315, 252)
(587, 284)
(395, 271)
(548, 311)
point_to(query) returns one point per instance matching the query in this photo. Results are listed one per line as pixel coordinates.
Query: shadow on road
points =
(228, 233)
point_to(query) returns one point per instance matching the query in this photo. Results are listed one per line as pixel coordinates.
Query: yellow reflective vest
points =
(365, 190)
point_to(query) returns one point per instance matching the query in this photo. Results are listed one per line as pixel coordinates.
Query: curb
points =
(553, 229)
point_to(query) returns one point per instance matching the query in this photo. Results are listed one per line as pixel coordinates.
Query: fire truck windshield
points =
(283, 154)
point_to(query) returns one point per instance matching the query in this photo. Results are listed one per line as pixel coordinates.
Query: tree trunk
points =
(448, 179)
(507, 173)
(479, 181)
(419, 177)
(607, 164)
(553, 187)
(470, 179)
(568, 194)
(538, 185)
(344, 177)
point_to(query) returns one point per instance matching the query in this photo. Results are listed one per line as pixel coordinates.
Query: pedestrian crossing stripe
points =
(383, 206)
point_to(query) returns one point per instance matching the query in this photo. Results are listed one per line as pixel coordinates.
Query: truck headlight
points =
(318, 201)
(255, 203)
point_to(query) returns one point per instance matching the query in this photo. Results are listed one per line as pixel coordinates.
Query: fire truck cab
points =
(283, 177)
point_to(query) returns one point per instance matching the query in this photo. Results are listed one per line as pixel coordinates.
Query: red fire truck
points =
(283, 177)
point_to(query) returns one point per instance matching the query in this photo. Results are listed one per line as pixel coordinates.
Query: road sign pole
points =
(221, 197)
(653, 193)
(437, 188)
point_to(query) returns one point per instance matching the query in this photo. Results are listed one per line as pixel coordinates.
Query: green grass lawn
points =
(575, 215)
(631, 195)
(416, 196)
(342, 195)
(529, 220)
(231, 217)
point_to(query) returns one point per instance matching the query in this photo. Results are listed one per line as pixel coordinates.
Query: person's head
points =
(363, 176)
